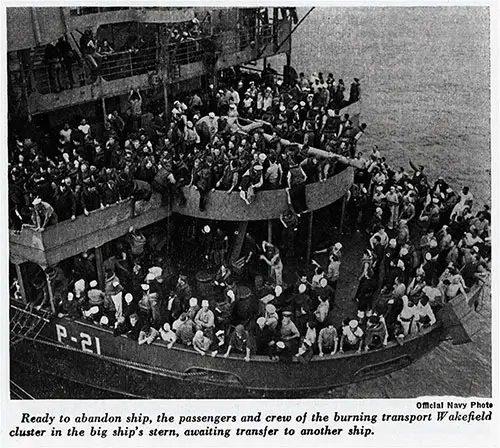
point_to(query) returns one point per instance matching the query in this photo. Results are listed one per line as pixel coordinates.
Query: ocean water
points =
(425, 77)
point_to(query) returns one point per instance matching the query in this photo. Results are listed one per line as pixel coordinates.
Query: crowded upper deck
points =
(425, 245)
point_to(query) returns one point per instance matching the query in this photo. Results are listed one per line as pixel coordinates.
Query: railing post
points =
(103, 102)
(269, 239)
(51, 294)
(342, 214)
(309, 237)
(100, 267)
(20, 280)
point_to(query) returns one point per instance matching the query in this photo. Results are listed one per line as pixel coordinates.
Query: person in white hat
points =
(156, 271)
(205, 319)
(71, 307)
(146, 302)
(201, 343)
(271, 316)
(168, 335)
(193, 308)
(43, 214)
(230, 294)
(352, 336)
(116, 295)
(79, 288)
(104, 321)
(95, 295)
(248, 104)
(129, 298)
(92, 312)
(265, 338)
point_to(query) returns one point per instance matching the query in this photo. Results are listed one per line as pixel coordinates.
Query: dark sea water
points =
(425, 96)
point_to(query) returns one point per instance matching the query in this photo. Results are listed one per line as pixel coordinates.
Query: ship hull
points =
(88, 354)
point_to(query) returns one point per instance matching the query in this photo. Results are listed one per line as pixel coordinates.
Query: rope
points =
(119, 361)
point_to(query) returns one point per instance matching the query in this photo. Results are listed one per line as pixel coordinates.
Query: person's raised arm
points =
(413, 167)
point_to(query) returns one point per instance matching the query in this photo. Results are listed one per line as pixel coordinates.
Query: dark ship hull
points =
(85, 353)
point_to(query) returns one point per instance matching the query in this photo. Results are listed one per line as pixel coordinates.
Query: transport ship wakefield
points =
(87, 353)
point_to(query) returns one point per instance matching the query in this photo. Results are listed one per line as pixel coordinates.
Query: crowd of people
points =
(73, 171)
(424, 243)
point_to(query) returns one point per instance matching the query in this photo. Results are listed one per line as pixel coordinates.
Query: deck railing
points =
(128, 63)
(117, 65)
(87, 10)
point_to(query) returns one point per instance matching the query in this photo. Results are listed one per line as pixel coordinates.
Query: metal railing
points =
(128, 63)
(87, 10)
(262, 35)
(52, 78)
(187, 51)
(43, 79)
